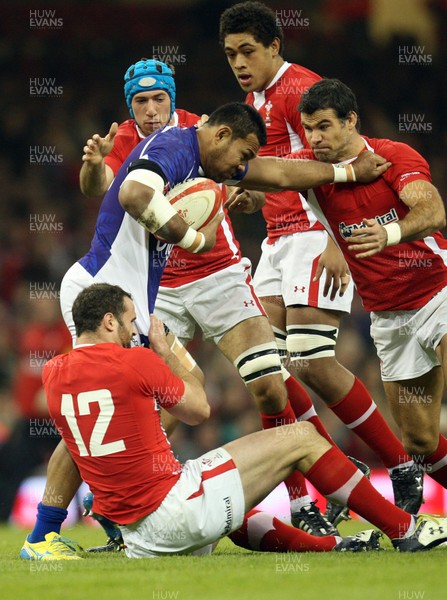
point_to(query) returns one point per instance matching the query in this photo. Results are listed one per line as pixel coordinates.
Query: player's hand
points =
(203, 119)
(244, 201)
(369, 240)
(368, 166)
(337, 272)
(157, 337)
(210, 232)
(97, 148)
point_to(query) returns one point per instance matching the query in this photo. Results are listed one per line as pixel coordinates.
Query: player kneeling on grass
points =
(104, 397)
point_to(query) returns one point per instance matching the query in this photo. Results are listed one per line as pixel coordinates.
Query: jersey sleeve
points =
(407, 165)
(171, 151)
(125, 141)
(151, 375)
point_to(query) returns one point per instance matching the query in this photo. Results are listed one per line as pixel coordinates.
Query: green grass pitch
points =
(229, 574)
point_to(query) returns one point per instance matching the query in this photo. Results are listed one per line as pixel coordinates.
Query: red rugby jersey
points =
(104, 400)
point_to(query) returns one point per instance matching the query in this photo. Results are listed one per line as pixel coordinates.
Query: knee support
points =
(258, 361)
(311, 341)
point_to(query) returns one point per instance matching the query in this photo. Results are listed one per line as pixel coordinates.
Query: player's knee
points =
(420, 443)
(307, 436)
(269, 394)
(260, 369)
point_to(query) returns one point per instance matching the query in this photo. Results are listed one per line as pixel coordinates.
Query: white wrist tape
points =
(157, 213)
(193, 241)
(393, 233)
(344, 173)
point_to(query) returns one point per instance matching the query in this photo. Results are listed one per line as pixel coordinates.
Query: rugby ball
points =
(196, 200)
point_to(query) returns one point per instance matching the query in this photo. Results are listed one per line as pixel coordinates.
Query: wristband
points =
(344, 173)
(193, 241)
(157, 213)
(393, 233)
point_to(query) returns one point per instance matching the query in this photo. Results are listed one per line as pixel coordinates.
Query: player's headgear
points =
(147, 75)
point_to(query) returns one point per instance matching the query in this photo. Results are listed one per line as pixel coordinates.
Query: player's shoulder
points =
(391, 148)
(305, 74)
(53, 365)
(127, 127)
(185, 118)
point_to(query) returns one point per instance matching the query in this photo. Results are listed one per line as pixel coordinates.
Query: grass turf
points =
(231, 573)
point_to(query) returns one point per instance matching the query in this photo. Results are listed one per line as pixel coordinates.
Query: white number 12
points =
(106, 410)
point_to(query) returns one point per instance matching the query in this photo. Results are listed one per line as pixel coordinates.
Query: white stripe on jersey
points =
(441, 252)
(295, 140)
(259, 97)
(312, 201)
(229, 237)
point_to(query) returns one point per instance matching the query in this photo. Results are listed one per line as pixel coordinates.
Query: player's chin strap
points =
(258, 361)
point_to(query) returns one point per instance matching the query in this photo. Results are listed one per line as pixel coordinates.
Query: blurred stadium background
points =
(61, 79)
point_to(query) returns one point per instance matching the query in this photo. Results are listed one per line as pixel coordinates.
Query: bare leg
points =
(63, 479)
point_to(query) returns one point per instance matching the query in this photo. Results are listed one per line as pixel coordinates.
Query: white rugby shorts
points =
(215, 303)
(287, 267)
(406, 340)
(77, 278)
(205, 504)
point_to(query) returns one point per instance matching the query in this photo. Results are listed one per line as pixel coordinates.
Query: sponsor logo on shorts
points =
(229, 515)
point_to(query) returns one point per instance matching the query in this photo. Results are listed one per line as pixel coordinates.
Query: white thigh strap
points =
(311, 341)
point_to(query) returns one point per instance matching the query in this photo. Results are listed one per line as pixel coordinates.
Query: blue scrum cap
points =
(147, 75)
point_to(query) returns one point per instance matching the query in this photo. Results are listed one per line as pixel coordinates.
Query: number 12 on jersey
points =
(96, 447)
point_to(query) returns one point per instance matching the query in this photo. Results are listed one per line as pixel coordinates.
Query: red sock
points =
(303, 406)
(335, 476)
(359, 413)
(436, 464)
(261, 531)
(295, 483)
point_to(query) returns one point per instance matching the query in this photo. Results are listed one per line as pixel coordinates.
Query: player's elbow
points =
(201, 411)
(130, 198)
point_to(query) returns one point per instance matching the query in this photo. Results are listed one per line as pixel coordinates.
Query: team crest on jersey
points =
(346, 230)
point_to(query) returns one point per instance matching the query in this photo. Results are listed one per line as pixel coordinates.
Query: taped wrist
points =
(193, 241)
(344, 173)
(393, 233)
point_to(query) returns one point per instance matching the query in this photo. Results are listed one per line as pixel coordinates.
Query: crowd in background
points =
(63, 83)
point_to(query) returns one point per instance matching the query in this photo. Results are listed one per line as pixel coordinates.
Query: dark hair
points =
(242, 118)
(251, 17)
(330, 93)
(94, 302)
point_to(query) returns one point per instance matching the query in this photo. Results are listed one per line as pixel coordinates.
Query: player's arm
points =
(95, 176)
(141, 195)
(193, 408)
(244, 201)
(426, 215)
(272, 174)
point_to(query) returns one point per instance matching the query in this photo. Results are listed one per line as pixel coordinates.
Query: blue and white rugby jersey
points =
(122, 251)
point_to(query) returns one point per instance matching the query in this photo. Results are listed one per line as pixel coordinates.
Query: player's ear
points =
(109, 321)
(223, 133)
(352, 119)
(275, 46)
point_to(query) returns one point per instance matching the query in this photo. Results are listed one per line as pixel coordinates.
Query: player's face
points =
(126, 329)
(228, 157)
(329, 137)
(151, 110)
(253, 64)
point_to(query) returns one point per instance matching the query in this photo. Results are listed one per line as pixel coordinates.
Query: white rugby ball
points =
(196, 200)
